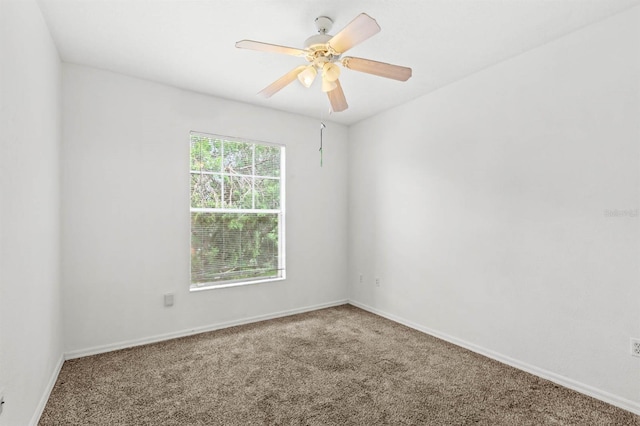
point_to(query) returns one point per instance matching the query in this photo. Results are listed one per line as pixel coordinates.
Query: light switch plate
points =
(168, 299)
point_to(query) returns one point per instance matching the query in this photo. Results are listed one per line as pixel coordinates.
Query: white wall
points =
(30, 320)
(481, 207)
(126, 225)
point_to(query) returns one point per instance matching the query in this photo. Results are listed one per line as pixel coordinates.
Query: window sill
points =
(238, 284)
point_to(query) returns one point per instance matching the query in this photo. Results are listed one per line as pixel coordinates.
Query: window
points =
(237, 211)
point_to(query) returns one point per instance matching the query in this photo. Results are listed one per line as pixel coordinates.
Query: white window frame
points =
(194, 287)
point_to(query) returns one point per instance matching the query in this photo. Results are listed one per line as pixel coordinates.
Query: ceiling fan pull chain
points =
(322, 127)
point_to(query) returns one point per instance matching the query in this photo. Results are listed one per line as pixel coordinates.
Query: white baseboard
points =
(607, 397)
(47, 392)
(173, 335)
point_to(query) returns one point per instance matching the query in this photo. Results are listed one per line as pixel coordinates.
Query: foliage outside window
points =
(237, 211)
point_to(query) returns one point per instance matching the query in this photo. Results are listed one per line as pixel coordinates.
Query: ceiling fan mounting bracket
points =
(323, 24)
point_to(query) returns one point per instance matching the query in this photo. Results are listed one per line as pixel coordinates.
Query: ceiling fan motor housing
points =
(318, 45)
(318, 41)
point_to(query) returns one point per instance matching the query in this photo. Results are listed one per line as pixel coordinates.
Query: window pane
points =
(206, 154)
(238, 192)
(267, 193)
(233, 246)
(238, 158)
(267, 160)
(226, 245)
(206, 191)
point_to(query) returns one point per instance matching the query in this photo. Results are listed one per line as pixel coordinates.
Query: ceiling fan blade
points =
(357, 31)
(280, 83)
(381, 69)
(337, 99)
(272, 48)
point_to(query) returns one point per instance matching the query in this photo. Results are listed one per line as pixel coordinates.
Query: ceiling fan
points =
(324, 52)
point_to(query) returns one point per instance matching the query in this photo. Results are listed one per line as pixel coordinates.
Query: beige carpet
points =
(337, 366)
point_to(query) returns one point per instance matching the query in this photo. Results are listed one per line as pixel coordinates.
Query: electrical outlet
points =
(1, 400)
(377, 282)
(635, 347)
(361, 278)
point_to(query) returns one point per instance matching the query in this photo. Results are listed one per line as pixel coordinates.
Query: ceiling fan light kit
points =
(327, 85)
(324, 52)
(307, 76)
(330, 71)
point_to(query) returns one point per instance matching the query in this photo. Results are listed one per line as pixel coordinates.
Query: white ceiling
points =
(190, 43)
